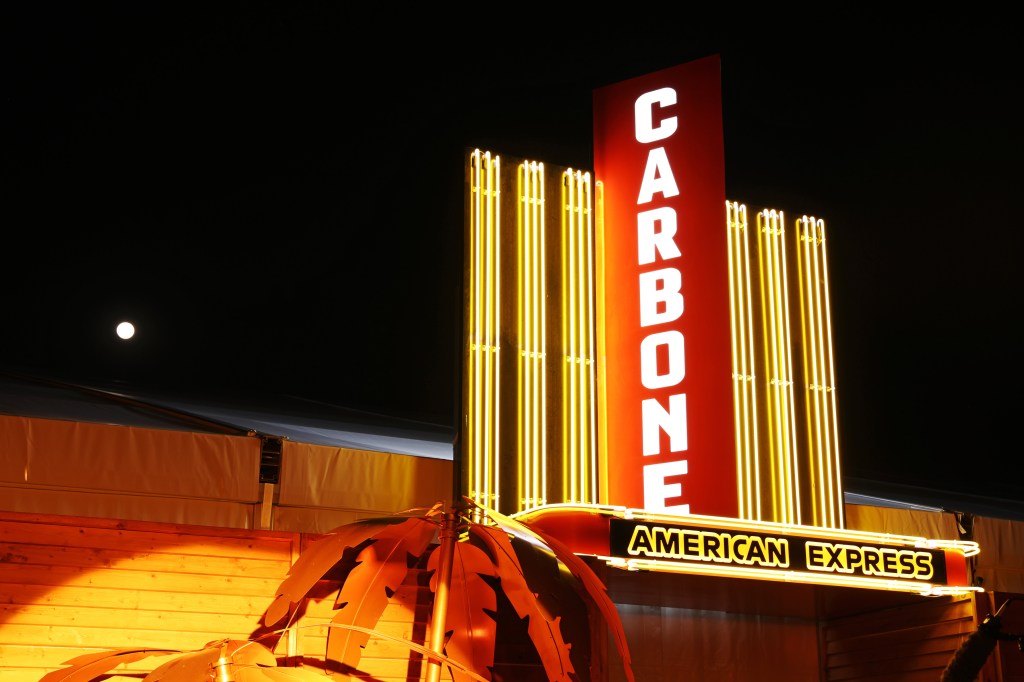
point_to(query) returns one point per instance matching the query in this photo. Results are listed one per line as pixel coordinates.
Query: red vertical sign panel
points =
(659, 158)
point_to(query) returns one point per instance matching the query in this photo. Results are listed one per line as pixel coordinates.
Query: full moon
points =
(126, 330)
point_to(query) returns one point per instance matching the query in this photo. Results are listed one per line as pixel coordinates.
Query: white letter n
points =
(655, 419)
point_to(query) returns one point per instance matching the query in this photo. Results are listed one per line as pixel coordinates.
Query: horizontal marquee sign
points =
(734, 548)
(634, 539)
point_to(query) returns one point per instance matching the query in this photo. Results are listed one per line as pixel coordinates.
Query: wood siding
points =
(75, 585)
(910, 643)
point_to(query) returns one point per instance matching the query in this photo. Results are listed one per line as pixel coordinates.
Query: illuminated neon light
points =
(820, 407)
(832, 455)
(748, 466)
(784, 473)
(493, 455)
(812, 374)
(776, 575)
(675, 543)
(778, 364)
(484, 331)
(600, 299)
(522, 374)
(570, 395)
(570, 351)
(578, 437)
(798, 472)
(520, 421)
(793, 496)
(476, 390)
(782, 416)
(531, 314)
(726, 547)
(590, 325)
(966, 547)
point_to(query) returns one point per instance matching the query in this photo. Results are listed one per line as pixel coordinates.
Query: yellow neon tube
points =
(477, 289)
(569, 353)
(776, 575)
(793, 469)
(751, 422)
(484, 323)
(834, 431)
(494, 455)
(522, 462)
(541, 435)
(591, 327)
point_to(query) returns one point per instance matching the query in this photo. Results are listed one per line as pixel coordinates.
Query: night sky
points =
(272, 192)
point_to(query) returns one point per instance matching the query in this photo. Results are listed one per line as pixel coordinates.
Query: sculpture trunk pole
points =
(448, 537)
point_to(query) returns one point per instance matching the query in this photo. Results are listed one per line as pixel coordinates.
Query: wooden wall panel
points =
(905, 644)
(76, 585)
(685, 645)
(1007, 659)
(406, 617)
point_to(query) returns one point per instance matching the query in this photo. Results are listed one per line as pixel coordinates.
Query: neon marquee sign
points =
(636, 539)
(666, 418)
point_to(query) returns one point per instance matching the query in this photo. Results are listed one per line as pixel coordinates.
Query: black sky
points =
(273, 193)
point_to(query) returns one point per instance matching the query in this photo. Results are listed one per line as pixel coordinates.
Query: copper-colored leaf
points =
(470, 602)
(365, 593)
(317, 560)
(322, 556)
(256, 674)
(194, 665)
(593, 585)
(190, 665)
(418, 648)
(246, 652)
(90, 666)
(544, 632)
(201, 664)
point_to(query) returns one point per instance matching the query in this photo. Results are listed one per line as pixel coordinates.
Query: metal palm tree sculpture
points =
(471, 553)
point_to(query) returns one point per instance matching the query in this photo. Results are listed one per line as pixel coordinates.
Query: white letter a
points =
(657, 177)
